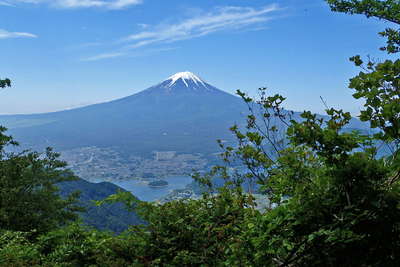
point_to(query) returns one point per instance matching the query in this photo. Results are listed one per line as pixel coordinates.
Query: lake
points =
(146, 193)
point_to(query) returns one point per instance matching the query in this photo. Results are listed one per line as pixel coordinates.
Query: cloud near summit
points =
(108, 4)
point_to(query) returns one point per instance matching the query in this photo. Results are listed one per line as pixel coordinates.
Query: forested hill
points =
(112, 217)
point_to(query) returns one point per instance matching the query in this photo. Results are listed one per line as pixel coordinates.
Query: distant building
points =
(164, 155)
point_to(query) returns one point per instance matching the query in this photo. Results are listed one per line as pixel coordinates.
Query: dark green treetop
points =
(5, 83)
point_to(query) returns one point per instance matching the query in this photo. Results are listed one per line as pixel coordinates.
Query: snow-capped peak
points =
(185, 76)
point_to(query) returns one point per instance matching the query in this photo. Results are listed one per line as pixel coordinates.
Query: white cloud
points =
(144, 53)
(221, 19)
(109, 4)
(103, 56)
(4, 3)
(143, 25)
(203, 23)
(6, 34)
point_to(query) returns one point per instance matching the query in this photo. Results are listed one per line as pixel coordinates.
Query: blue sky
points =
(67, 53)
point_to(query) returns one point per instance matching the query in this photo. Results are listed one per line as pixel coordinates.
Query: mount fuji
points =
(183, 113)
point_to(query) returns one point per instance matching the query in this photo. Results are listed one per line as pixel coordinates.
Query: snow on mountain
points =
(185, 76)
(185, 80)
(183, 113)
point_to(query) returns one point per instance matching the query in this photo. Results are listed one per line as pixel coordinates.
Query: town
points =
(107, 164)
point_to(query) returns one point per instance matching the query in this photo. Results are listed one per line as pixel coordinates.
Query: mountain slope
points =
(112, 217)
(183, 113)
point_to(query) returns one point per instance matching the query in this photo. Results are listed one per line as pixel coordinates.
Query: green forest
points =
(334, 200)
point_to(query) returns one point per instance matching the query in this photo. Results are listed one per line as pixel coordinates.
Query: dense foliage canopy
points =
(28, 195)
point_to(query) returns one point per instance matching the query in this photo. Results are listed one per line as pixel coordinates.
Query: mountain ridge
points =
(182, 113)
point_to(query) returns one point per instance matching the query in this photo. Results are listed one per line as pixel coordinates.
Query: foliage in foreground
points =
(333, 201)
(179, 234)
(28, 195)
